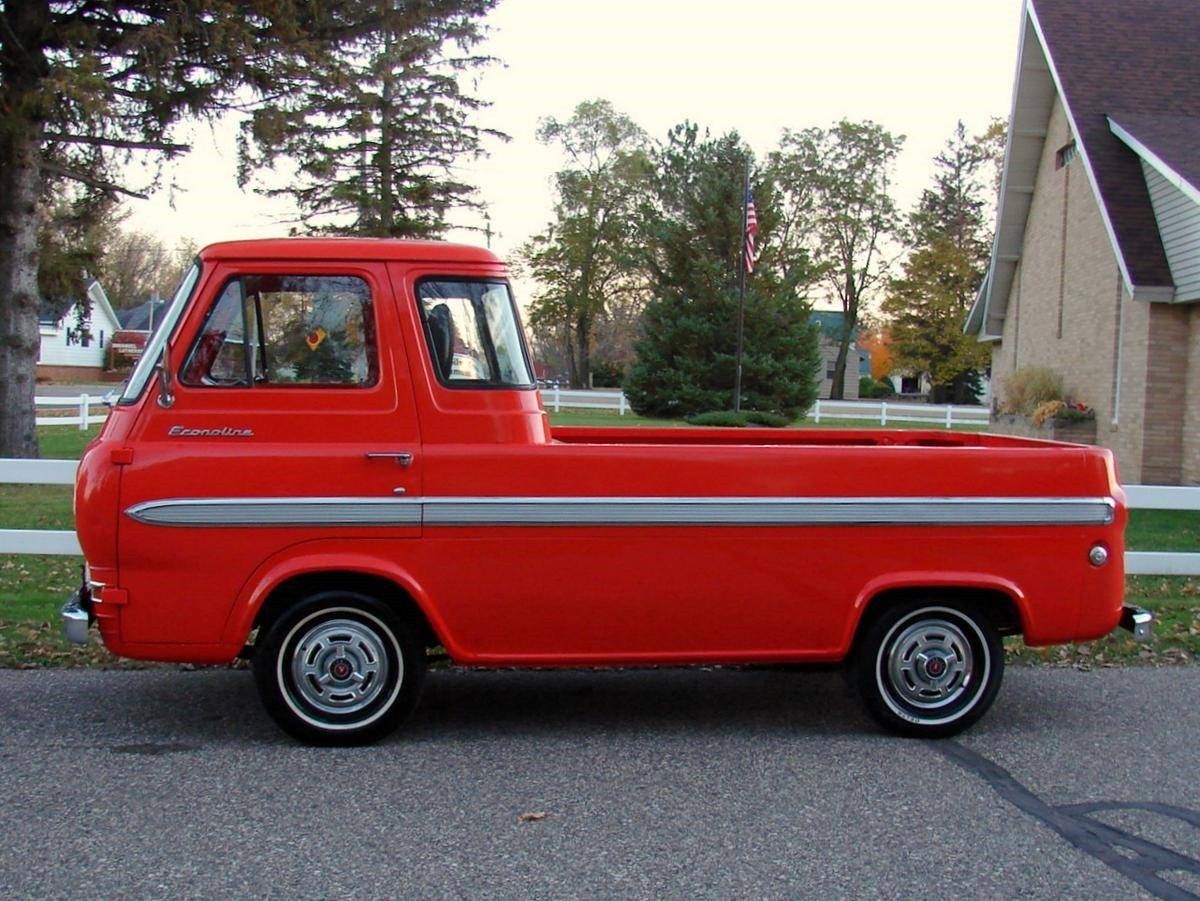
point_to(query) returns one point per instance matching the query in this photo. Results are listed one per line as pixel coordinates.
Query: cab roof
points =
(349, 249)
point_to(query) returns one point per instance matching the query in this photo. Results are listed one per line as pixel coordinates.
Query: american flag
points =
(750, 254)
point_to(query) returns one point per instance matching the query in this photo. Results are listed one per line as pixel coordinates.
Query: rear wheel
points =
(339, 667)
(929, 669)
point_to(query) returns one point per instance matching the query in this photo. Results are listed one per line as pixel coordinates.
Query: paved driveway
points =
(675, 783)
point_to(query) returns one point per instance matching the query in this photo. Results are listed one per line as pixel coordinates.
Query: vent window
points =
(1066, 155)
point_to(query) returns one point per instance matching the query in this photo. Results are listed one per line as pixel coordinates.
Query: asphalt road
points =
(676, 783)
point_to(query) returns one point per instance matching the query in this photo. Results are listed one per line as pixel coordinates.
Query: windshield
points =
(153, 351)
(473, 333)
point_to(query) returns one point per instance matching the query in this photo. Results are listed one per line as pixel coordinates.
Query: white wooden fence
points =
(557, 399)
(81, 406)
(883, 412)
(942, 415)
(62, 472)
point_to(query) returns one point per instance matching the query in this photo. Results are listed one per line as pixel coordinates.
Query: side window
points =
(281, 330)
(473, 333)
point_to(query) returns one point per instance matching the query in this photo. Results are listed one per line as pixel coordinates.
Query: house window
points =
(1066, 154)
(830, 372)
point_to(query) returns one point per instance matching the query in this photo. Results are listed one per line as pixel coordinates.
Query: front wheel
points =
(929, 669)
(338, 668)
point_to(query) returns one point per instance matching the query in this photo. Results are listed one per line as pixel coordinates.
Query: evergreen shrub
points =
(730, 419)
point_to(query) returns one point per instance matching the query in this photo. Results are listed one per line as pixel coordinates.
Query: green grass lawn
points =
(44, 506)
(1163, 530)
(36, 507)
(1175, 602)
(32, 588)
(611, 420)
(62, 442)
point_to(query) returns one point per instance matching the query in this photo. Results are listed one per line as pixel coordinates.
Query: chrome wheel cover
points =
(932, 666)
(339, 666)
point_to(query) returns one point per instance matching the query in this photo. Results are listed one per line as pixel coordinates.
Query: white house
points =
(69, 351)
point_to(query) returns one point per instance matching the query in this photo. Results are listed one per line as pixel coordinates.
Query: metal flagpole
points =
(741, 320)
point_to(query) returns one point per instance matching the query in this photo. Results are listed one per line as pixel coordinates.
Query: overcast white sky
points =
(915, 66)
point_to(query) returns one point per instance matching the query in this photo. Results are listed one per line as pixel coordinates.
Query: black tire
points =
(339, 668)
(929, 669)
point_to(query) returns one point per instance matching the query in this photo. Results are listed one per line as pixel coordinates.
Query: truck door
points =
(292, 420)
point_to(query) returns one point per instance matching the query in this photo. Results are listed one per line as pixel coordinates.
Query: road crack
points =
(1130, 855)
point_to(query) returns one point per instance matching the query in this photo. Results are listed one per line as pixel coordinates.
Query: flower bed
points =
(1075, 431)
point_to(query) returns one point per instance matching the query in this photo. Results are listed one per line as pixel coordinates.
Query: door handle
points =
(402, 458)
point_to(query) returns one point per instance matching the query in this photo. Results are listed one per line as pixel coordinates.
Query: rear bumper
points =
(77, 616)
(1137, 620)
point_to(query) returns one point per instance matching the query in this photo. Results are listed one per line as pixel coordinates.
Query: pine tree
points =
(929, 302)
(686, 357)
(928, 305)
(76, 231)
(379, 124)
(84, 85)
(953, 209)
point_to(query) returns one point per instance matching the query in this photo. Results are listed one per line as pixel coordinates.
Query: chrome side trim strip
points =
(279, 511)
(771, 511)
(626, 511)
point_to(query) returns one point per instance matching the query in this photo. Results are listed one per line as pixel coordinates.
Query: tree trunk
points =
(849, 320)
(838, 390)
(20, 182)
(583, 352)
(387, 212)
(568, 353)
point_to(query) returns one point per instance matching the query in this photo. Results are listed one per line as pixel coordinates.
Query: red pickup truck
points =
(332, 457)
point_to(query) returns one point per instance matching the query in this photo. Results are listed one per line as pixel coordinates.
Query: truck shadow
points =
(462, 704)
(220, 707)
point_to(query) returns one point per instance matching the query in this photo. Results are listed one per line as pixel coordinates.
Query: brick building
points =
(1095, 270)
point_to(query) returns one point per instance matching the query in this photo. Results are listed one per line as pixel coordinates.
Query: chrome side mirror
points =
(166, 388)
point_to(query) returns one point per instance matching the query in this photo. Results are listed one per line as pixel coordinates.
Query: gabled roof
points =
(1131, 60)
(832, 323)
(100, 303)
(141, 317)
(53, 311)
(1124, 58)
(1170, 144)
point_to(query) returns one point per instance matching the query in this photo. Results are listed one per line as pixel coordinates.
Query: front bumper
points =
(77, 615)
(1137, 620)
